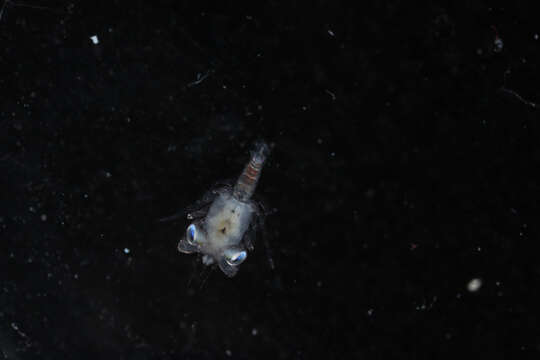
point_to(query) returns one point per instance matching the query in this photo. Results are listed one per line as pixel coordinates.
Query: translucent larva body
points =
(220, 234)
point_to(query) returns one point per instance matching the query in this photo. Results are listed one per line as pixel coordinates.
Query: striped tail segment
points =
(245, 186)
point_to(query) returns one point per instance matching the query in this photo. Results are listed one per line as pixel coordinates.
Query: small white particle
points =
(254, 332)
(228, 352)
(94, 39)
(535, 36)
(331, 33)
(370, 312)
(474, 285)
(126, 250)
(319, 141)
(43, 217)
(332, 154)
(498, 44)
(479, 51)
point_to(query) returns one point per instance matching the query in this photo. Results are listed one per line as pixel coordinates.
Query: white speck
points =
(43, 217)
(474, 285)
(479, 51)
(319, 283)
(31, 209)
(331, 94)
(76, 276)
(228, 352)
(126, 251)
(254, 332)
(86, 196)
(535, 36)
(319, 141)
(331, 33)
(370, 312)
(108, 174)
(94, 39)
(332, 154)
(498, 44)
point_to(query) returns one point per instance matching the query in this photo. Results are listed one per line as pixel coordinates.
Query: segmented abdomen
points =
(247, 182)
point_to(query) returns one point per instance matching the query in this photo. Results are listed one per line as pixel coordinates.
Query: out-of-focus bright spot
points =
(94, 39)
(474, 285)
(498, 44)
(126, 250)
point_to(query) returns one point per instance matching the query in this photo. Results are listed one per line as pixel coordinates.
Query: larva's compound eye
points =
(235, 257)
(191, 234)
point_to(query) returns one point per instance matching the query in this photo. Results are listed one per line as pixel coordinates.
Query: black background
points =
(405, 160)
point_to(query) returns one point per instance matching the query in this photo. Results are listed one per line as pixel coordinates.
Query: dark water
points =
(405, 160)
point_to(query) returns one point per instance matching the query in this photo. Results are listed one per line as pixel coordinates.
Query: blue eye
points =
(191, 234)
(235, 257)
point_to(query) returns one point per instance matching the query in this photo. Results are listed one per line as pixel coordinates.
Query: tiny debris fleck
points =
(535, 36)
(498, 44)
(331, 94)
(370, 312)
(254, 332)
(94, 39)
(331, 33)
(43, 217)
(228, 352)
(474, 285)
(126, 250)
